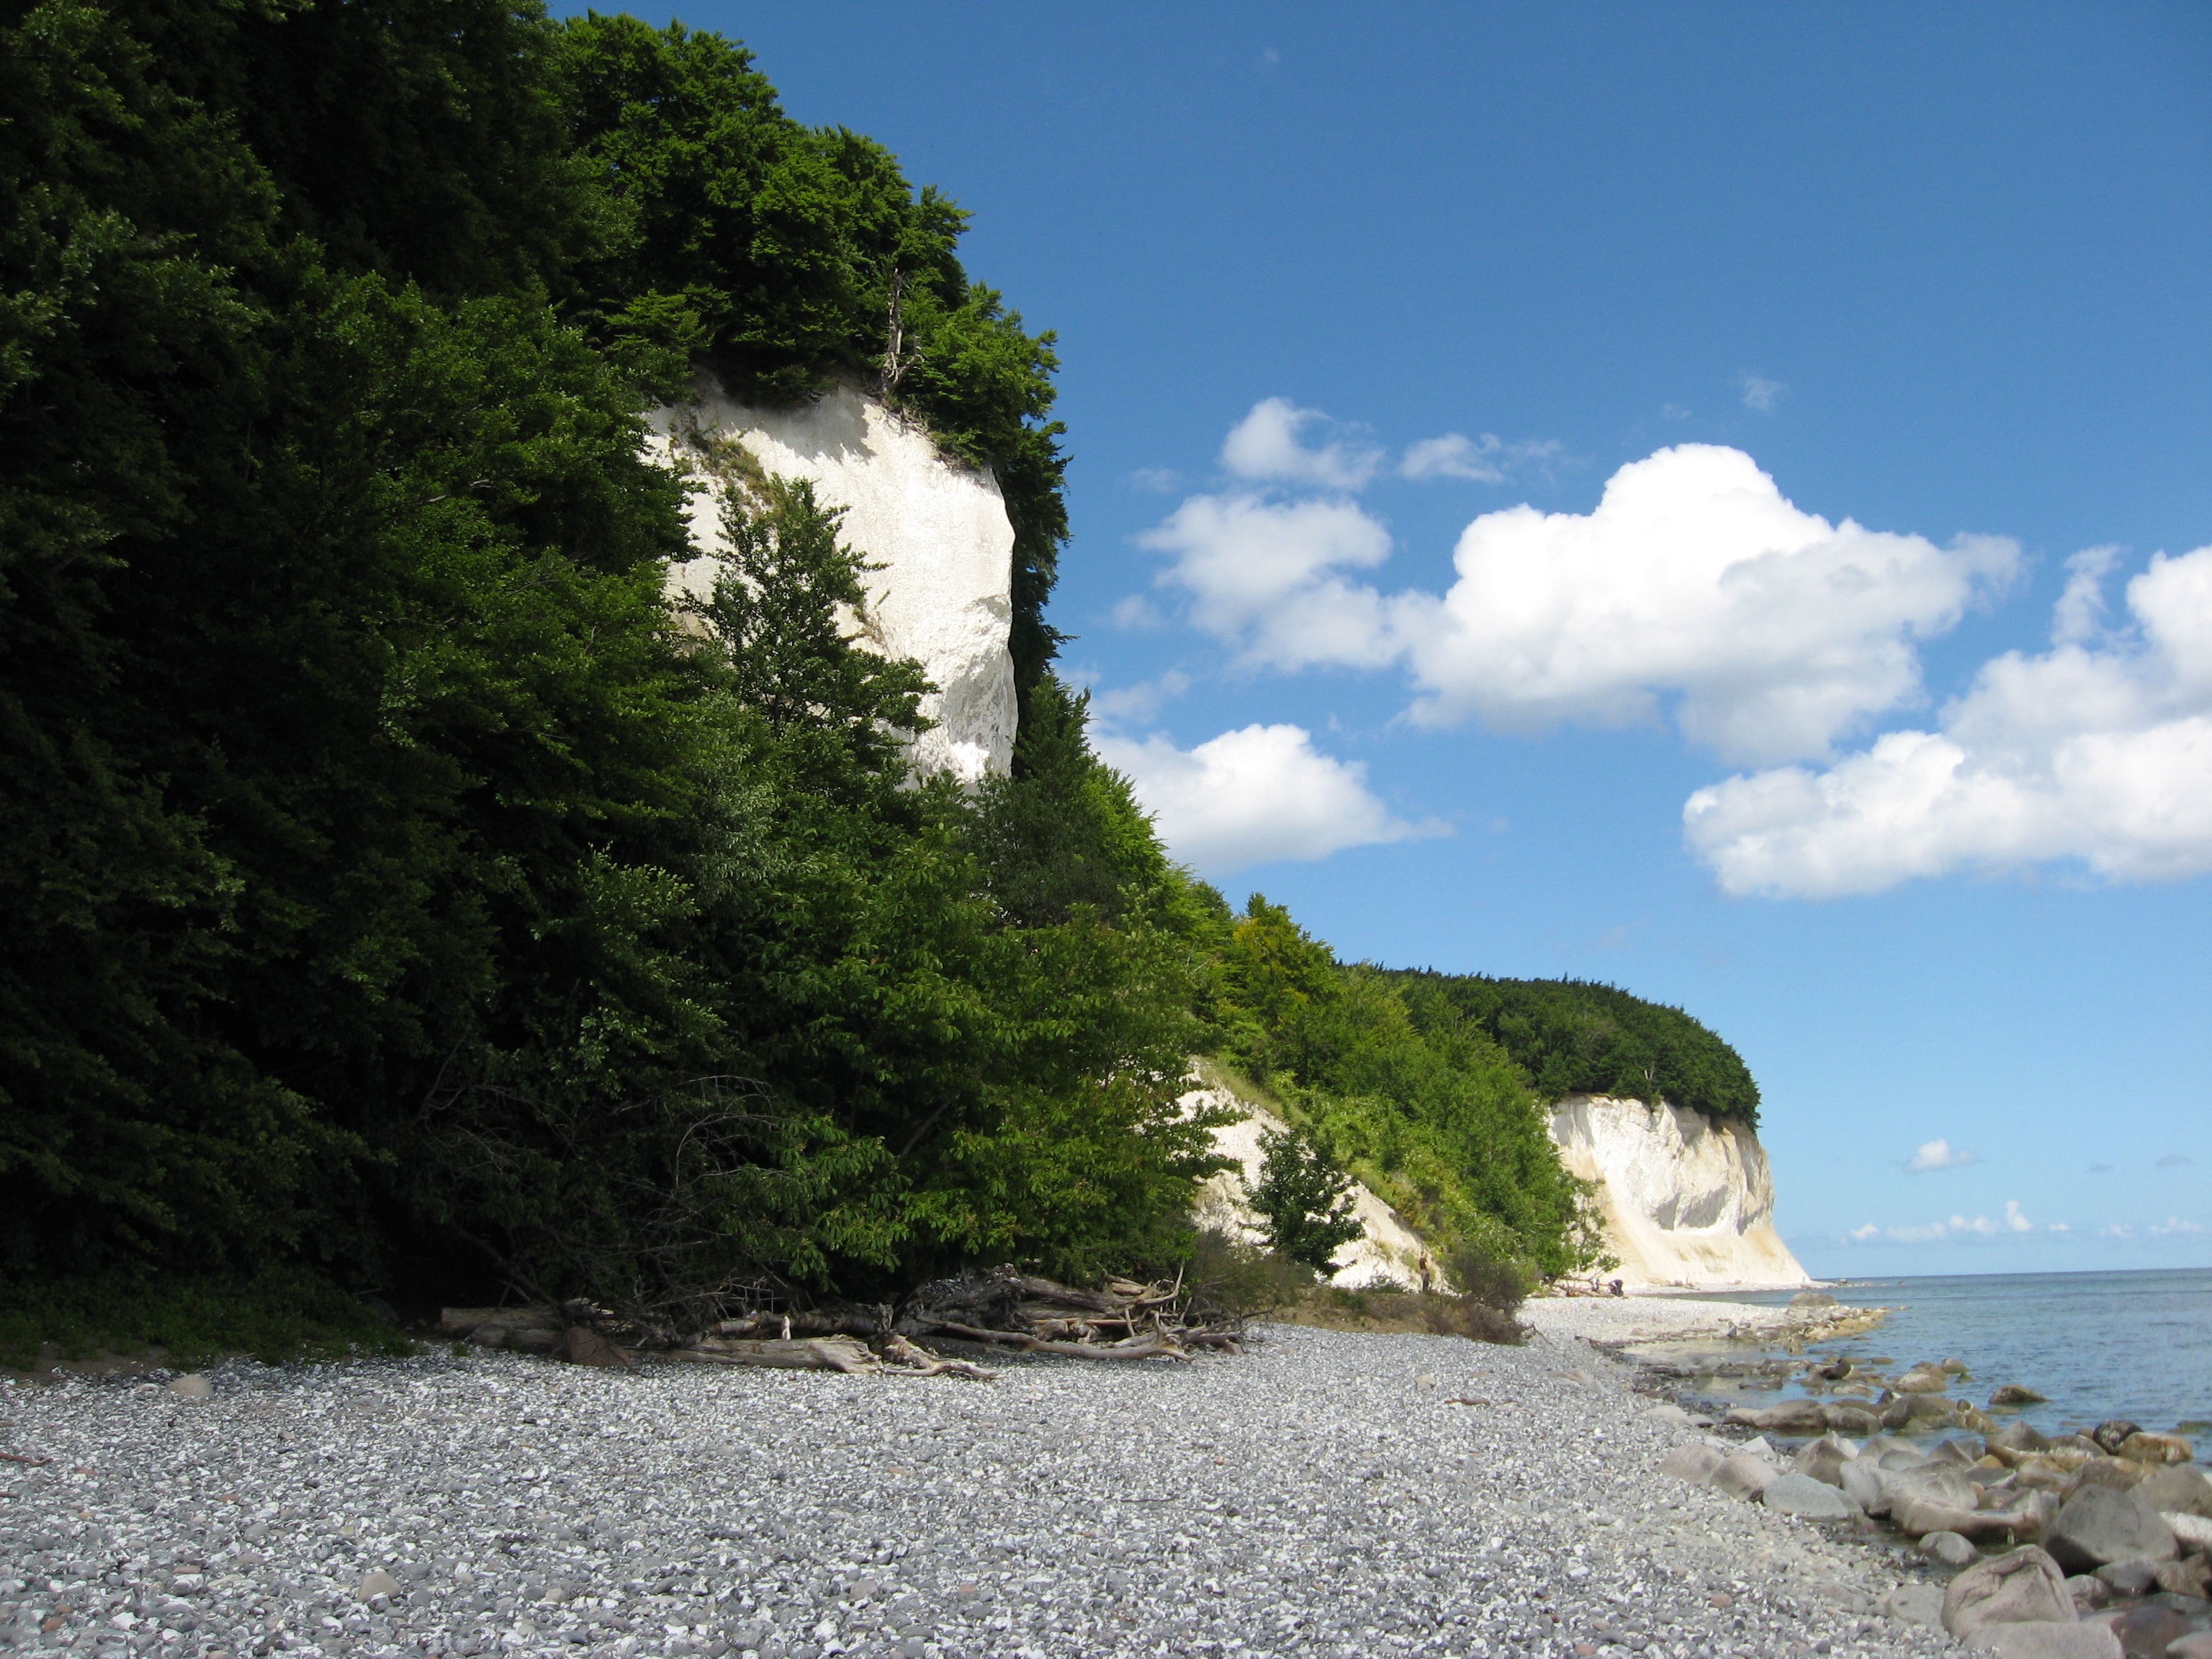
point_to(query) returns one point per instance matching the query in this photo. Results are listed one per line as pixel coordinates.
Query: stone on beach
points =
(1862, 1483)
(2190, 1529)
(1823, 1459)
(2099, 1526)
(192, 1386)
(2047, 1641)
(2025, 1587)
(1951, 1548)
(2128, 1577)
(1843, 1419)
(1693, 1463)
(2145, 1447)
(1742, 1477)
(2187, 1490)
(1791, 1416)
(1808, 1499)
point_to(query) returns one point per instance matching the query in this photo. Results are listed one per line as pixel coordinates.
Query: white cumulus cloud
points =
(1959, 1226)
(1941, 1155)
(1693, 583)
(2098, 750)
(1269, 444)
(1255, 796)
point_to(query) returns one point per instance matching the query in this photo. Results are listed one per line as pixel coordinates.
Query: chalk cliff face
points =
(1687, 1201)
(1390, 1250)
(939, 530)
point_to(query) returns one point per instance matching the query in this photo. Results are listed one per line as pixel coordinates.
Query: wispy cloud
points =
(2012, 1221)
(2173, 1226)
(1940, 1155)
(2175, 1161)
(1156, 480)
(1759, 393)
(1485, 459)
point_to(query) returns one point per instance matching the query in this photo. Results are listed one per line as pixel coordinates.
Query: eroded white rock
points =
(1685, 1200)
(938, 530)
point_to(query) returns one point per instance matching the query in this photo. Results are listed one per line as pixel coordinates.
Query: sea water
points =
(2100, 1345)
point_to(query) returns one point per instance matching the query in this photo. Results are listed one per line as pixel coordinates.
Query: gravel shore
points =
(1326, 1493)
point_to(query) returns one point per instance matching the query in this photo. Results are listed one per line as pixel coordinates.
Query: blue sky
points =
(1816, 401)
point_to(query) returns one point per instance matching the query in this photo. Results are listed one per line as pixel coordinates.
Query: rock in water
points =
(2025, 1587)
(2112, 1433)
(1948, 1547)
(1808, 1499)
(1812, 1299)
(2099, 1526)
(2012, 1394)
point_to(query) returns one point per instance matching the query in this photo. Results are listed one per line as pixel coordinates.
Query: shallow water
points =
(2101, 1344)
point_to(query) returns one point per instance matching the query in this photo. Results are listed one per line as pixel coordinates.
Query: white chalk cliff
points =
(938, 530)
(1687, 1201)
(1388, 1250)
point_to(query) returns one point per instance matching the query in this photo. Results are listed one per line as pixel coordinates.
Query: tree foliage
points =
(1305, 1196)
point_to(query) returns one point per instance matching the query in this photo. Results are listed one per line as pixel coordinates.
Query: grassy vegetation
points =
(186, 1321)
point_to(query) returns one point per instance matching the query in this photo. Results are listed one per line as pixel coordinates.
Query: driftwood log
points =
(1001, 1307)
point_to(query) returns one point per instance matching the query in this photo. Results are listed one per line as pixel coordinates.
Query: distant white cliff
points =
(1687, 1201)
(939, 530)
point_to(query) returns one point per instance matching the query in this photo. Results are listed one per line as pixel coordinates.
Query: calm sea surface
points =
(2132, 1345)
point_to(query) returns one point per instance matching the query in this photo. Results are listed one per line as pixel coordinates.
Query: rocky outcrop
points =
(1388, 1251)
(937, 530)
(1687, 1201)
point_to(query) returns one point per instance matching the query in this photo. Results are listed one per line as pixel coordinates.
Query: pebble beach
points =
(1324, 1492)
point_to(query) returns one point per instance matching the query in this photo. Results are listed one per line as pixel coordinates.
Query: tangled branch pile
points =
(1003, 1306)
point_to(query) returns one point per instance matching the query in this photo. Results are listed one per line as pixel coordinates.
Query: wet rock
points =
(2145, 1447)
(2042, 1641)
(2015, 1394)
(2025, 1587)
(1964, 1453)
(1791, 1416)
(2020, 1437)
(2099, 1526)
(2112, 1433)
(1808, 1499)
(1843, 1419)
(1951, 1548)
(2186, 1489)
(1923, 1379)
(1812, 1299)
(1954, 1368)
(1742, 1477)
(2119, 1474)
(1934, 1483)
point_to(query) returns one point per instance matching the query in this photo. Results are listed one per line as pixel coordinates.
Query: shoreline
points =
(1325, 1493)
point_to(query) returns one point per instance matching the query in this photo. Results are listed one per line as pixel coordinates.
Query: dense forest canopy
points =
(1572, 1037)
(399, 889)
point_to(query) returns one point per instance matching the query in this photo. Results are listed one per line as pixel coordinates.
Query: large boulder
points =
(1842, 1417)
(2186, 1489)
(1808, 1499)
(2099, 1525)
(2048, 1641)
(1934, 1483)
(2022, 1588)
(1694, 1463)
(1791, 1416)
(1742, 1477)
(1862, 1483)
(1923, 1379)
(1823, 1459)
(2156, 1449)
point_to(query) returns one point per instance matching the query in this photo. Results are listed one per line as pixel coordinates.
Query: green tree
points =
(1306, 1197)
